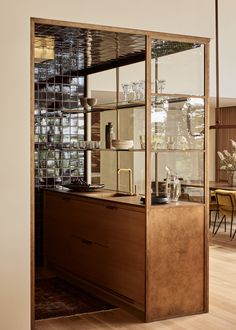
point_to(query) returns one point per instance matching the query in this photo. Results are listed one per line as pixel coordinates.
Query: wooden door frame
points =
(148, 36)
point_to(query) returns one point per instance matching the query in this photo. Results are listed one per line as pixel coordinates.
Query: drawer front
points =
(56, 207)
(127, 253)
(88, 260)
(56, 240)
(89, 221)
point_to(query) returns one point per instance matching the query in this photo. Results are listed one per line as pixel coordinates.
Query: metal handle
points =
(65, 198)
(110, 207)
(87, 242)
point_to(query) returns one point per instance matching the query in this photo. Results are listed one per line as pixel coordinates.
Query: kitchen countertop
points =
(102, 194)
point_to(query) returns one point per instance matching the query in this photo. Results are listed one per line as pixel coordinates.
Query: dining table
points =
(214, 185)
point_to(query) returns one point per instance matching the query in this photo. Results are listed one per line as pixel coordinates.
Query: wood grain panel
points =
(99, 242)
(176, 261)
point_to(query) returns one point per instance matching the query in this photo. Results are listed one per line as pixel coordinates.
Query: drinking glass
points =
(135, 89)
(126, 90)
(161, 85)
(141, 89)
(142, 141)
(97, 144)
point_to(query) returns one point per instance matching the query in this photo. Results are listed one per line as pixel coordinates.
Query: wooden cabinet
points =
(56, 230)
(155, 256)
(176, 254)
(98, 241)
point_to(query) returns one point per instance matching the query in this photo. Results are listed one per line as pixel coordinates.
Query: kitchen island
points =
(101, 240)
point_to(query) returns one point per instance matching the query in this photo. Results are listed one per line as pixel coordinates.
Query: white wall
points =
(194, 17)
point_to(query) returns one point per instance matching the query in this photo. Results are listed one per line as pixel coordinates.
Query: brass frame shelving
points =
(154, 215)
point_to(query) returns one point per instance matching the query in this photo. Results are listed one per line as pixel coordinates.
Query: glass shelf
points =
(62, 146)
(127, 150)
(106, 107)
(178, 150)
(170, 96)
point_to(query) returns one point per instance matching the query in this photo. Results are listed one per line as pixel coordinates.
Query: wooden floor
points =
(222, 315)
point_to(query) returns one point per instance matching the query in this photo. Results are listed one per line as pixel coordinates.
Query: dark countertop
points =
(103, 194)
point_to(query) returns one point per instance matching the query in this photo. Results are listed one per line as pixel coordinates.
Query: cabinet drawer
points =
(89, 221)
(56, 207)
(56, 240)
(88, 259)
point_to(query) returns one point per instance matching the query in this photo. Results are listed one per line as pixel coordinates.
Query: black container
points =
(109, 135)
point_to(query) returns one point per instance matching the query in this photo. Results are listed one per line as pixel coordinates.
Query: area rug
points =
(55, 297)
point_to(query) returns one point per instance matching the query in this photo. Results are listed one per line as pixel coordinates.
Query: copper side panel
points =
(176, 261)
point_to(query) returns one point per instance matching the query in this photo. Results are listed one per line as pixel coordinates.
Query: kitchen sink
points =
(110, 194)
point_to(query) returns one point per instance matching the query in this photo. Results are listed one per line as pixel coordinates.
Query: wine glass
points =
(142, 89)
(161, 85)
(135, 89)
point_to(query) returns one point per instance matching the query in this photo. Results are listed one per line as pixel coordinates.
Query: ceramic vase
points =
(232, 178)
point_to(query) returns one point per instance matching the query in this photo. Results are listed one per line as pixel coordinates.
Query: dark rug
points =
(55, 297)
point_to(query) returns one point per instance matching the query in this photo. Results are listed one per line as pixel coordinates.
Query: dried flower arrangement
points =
(227, 159)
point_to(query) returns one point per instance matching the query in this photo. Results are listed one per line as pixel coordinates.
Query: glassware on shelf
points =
(142, 141)
(170, 143)
(96, 144)
(136, 90)
(142, 89)
(161, 83)
(126, 90)
(173, 186)
(82, 145)
(88, 145)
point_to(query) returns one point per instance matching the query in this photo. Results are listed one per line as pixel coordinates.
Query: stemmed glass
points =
(135, 89)
(142, 89)
(161, 85)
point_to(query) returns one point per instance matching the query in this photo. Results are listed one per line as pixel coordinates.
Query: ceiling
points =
(93, 50)
(89, 51)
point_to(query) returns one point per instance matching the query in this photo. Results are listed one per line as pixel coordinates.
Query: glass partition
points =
(177, 118)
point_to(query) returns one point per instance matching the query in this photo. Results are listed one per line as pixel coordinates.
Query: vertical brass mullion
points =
(148, 120)
(206, 174)
(156, 127)
(147, 168)
(117, 111)
(32, 178)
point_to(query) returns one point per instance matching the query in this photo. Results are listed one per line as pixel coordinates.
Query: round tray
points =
(84, 188)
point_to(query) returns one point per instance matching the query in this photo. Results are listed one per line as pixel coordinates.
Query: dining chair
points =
(226, 206)
(212, 206)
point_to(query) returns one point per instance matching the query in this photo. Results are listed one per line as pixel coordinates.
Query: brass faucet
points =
(130, 178)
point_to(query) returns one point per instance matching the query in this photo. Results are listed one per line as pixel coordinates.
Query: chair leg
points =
(217, 216)
(233, 235)
(231, 225)
(210, 219)
(214, 225)
(223, 218)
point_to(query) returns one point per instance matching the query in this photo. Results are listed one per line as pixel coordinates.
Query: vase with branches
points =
(228, 163)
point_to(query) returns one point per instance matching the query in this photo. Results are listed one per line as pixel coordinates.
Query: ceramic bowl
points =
(122, 144)
(92, 101)
(83, 101)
